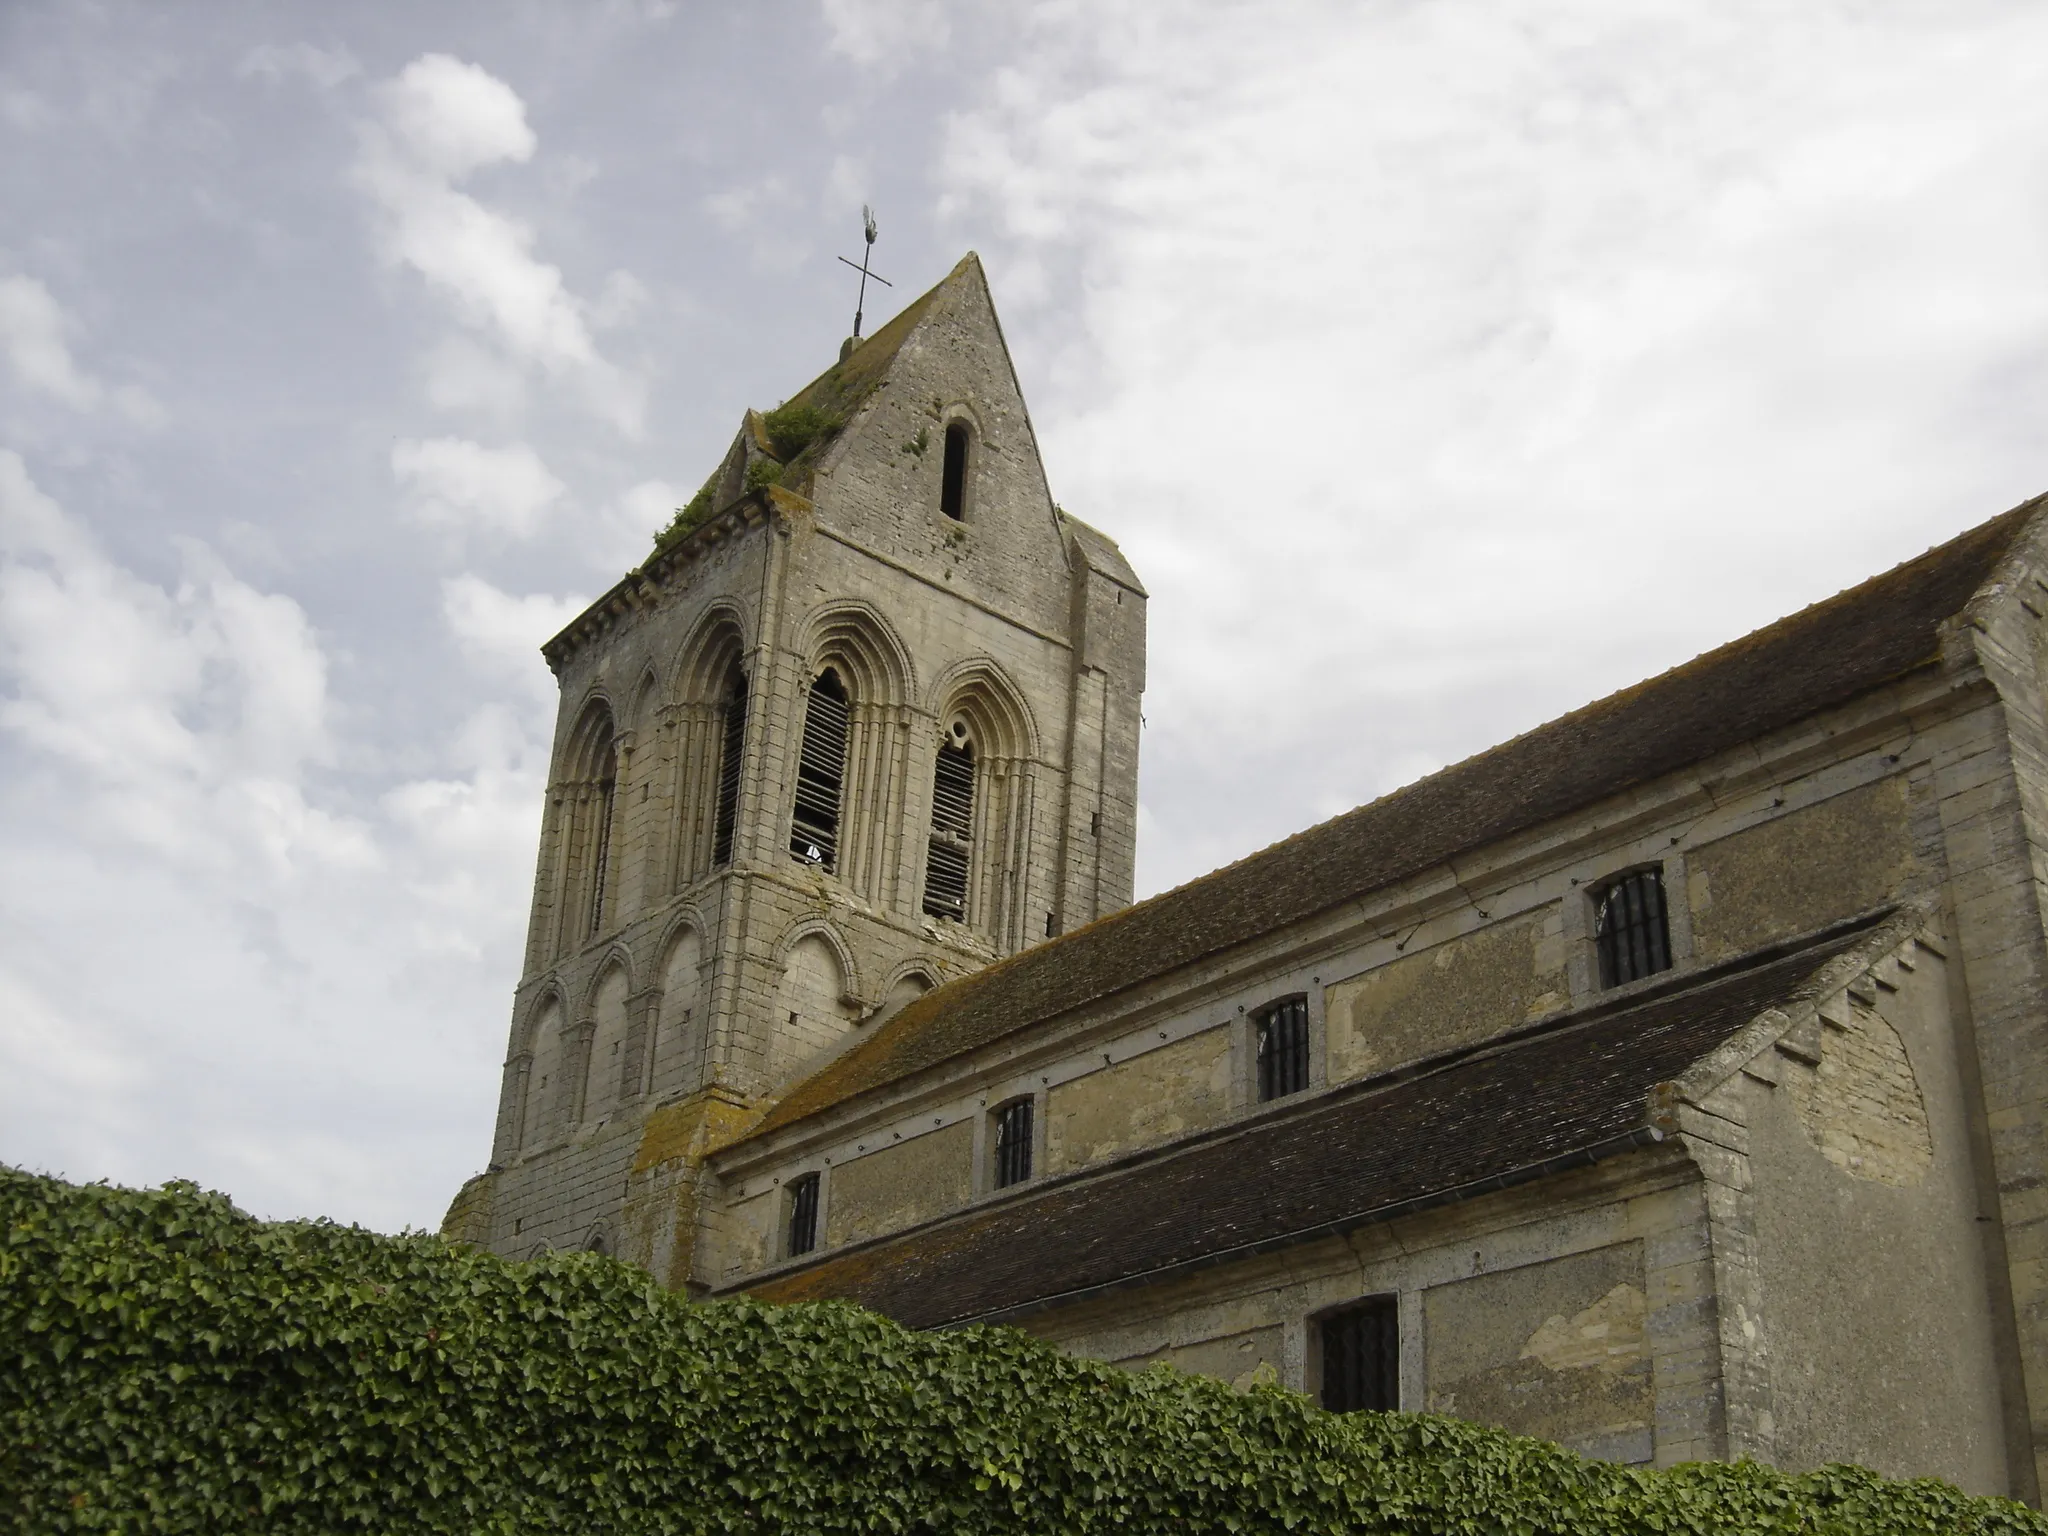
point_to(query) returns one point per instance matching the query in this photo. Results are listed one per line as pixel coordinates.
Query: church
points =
(1667, 1082)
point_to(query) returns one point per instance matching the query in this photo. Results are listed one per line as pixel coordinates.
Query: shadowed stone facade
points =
(686, 961)
(1770, 1188)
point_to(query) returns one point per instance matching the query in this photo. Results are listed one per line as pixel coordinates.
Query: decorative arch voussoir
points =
(993, 705)
(717, 643)
(855, 638)
(803, 928)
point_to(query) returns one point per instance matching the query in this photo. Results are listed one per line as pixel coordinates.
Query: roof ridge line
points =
(1869, 634)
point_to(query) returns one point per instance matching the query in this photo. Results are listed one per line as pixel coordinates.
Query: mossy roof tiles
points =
(1555, 1097)
(1818, 658)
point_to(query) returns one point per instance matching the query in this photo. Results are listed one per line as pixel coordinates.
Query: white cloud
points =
(34, 335)
(768, 214)
(460, 375)
(502, 634)
(324, 68)
(189, 716)
(618, 536)
(213, 962)
(440, 121)
(1439, 366)
(648, 506)
(460, 486)
(454, 118)
(471, 832)
(32, 328)
(622, 297)
(886, 33)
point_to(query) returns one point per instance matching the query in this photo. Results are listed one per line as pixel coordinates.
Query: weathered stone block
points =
(1164, 1093)
(1801, 871)
(1456, 994)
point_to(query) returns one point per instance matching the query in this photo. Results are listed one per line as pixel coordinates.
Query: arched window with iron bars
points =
(1631, 927)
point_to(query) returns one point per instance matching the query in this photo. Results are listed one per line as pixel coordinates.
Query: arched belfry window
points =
(601, 849)
(953, 476)
(820, 774)
(950, 844)
(732, 756)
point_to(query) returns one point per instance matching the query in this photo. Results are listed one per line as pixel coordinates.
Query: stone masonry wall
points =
(1452, 995)
(682, 982)
(1580, 1308)
(1854, 1291)
(1802, 871)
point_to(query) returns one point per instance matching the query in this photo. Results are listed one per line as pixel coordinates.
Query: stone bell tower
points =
(866, 721)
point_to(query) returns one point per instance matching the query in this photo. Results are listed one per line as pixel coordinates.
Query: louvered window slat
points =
(945, 870)
(600, 864)
(820, 774)
(731, 759)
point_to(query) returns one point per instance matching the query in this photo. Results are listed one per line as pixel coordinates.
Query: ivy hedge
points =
(168, 1363)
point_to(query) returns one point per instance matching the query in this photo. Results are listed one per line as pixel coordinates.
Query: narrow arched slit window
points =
(945, 867)
(953, 477)
(820, 774)
(732, 753)
(601, 854)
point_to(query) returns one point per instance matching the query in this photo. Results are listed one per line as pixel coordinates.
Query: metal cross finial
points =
(867, 216)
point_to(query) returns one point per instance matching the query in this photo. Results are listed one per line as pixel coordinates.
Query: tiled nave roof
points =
(1560, 1094)
(1818, 658)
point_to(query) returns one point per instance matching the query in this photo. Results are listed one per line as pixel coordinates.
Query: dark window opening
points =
(1631, 929)
(732, 754)
(1095, 824)
(945, 868)
(600, 864)
(1048, 924)
(803, 1214)
(953, 478)
(820, 774)
(1362, 1357)
(1283, 1048)
(1013, 1143)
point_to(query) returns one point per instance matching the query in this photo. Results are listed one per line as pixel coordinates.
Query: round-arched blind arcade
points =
(820, 774)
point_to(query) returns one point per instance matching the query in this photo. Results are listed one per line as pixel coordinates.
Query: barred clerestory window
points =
(803, 1214)
(1282, 1045)
(1013, 1144)
(1361, 1348)
(1631, 929)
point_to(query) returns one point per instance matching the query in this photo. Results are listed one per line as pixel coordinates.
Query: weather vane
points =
(867, 215)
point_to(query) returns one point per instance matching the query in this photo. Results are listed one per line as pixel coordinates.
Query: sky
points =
(1441, 365)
